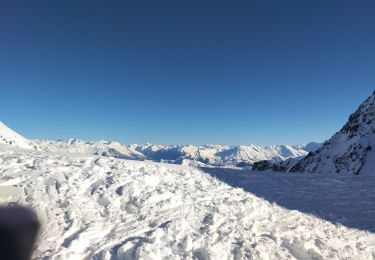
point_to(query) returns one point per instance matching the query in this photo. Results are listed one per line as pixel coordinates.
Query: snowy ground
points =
(106, 208)
(340, 198)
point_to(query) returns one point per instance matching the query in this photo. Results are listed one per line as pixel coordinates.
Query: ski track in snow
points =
(106, 208)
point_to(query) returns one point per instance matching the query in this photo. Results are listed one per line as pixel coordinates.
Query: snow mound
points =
(10, 137)
(95, 207)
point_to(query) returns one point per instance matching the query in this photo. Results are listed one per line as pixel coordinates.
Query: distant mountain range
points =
(204, 155)
(351, 150)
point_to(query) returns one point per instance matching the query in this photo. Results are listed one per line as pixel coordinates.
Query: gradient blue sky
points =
(229, 72)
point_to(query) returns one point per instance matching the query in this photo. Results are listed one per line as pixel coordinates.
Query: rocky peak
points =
(351, 150)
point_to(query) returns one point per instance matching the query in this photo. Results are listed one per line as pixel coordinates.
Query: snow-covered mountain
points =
(204, 155)
(102, 148)
(10, 137)
(351, 150)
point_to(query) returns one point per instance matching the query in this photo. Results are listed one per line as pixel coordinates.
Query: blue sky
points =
(228, 72)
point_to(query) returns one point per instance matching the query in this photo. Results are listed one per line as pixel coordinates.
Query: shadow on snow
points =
(344, 199)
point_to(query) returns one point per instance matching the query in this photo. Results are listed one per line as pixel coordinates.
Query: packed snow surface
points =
(106, 208)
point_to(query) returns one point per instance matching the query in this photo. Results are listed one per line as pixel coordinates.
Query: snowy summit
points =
(10, 137)
(351, 150)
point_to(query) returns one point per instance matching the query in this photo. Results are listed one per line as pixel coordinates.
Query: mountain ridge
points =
(201, 155)
(10, 137)
(350, 150)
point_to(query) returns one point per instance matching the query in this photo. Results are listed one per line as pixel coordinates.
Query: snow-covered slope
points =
(351, 150)
(94, 207)
(102, 148)
(205, 155)
(10, 137)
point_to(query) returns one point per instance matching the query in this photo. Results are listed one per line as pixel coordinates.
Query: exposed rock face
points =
(267, 165)
(351, 150)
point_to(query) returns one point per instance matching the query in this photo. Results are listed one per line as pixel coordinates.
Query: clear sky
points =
(228, 72)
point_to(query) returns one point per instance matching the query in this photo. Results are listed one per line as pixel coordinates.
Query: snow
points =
(342, 199)
(107, 208)
(8, 136)
(204, 155)
(79, 147)
(351, 150)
